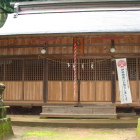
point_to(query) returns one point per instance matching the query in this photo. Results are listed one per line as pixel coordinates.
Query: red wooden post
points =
(75, 70)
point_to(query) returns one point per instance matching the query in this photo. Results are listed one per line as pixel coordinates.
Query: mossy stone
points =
(138, 127)
(5, 128)
(2, 112)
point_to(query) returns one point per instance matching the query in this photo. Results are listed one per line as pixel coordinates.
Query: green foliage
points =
(41, 133)
(105, 132)
(138, 128)
(5, 128)
(6, 8)
(79, 138)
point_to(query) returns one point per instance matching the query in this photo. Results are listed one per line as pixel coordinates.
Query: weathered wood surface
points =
(89, 91)
(13, 90)
(95, 111)
(99, 44)
(95, 46)
(32, 90)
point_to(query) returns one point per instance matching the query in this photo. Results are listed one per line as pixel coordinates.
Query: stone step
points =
(96, 111)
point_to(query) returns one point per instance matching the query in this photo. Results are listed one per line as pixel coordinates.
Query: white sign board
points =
(124, 88)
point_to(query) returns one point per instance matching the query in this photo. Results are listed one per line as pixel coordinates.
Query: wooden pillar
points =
(113, 81)
(79, 82)
(137, 79)
(23, 76)
(45, 80)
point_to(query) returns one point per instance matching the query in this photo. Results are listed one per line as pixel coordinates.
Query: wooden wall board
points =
(87, 91)
(23, 103)
(117, 92)
(13, 90)
(33, 90)
(133, 88)
(103, 90)
(66, 40)
(54, 91)
(68, 91)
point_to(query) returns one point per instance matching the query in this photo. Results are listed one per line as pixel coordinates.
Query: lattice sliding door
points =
(12, 78)
(95, 76)
(103, 80)
(68, 81)
(87, 79)
(132, 74)
(60, 80)
(23, 79)
(54, 80)
(33, 80)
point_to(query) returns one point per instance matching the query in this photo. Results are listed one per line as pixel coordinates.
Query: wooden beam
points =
(18, 56)
(22, 46)
(137, 79)
(23, 76)
(68, 45)
(69, 56)
(128, 34)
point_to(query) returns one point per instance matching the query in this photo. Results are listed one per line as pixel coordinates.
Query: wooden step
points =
(96, 111)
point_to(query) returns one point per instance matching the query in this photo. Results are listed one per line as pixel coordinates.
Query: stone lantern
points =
(5, 122)
(2, 87)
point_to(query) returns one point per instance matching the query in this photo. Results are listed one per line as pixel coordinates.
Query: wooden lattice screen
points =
(132, 69)
(18, 70)
(13, 70)
(133, 66)
(54, 70)
(87, 69)
(103, 70)
(33, 70)
(59, 70)
(2, 70)
(68, 72)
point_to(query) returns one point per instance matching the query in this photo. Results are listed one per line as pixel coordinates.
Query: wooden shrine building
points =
(57, 54)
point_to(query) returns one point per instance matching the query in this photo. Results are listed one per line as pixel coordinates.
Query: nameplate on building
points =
(79, 42)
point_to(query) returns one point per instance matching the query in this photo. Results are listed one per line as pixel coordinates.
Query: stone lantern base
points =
(5, 124)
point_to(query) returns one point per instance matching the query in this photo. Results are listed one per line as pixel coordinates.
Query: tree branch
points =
(6, 11)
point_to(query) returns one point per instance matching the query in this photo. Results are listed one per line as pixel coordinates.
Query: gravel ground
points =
(74, 133)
